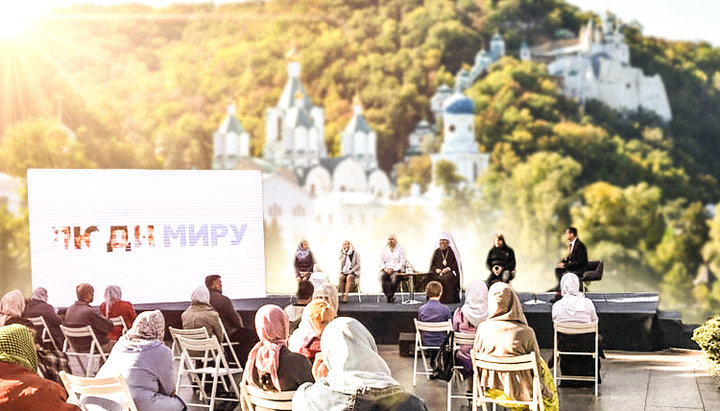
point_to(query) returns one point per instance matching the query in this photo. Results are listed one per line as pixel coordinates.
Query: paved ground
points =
(632, 381)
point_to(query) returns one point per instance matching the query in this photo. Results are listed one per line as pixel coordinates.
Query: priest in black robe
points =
(445, 267)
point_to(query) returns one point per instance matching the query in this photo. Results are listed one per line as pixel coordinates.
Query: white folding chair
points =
(229, 345)
(574, 329)
(213, 364)
(113, 388)
(39, 323)
(255, 397)
(95, 351)
(442, 326)
(459, 339)
(193, 333)
(505, 364)
(119, 321)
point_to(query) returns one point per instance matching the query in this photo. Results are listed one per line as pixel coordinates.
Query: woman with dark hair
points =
(115, 306)
(500, 261)
(146, 364)
(304, 261)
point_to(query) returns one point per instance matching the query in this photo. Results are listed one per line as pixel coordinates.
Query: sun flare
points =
(16, 17)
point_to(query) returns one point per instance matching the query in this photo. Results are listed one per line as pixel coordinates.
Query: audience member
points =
(319, 314)
(294, 311)
(349, 269)
(21, 387)
(146, 364)
(433, 311)
(466, 319)
(500, 261)
(446, 268)
(392, 261)
(506, 333)
(201, 314)
(357, 376)
(12, 305)
(271, 366)
(304, 261)
(39, 307)
(50, 360)
(81, 314)
(113, 307)
(326, 292)
(574, 307)
(232, 322)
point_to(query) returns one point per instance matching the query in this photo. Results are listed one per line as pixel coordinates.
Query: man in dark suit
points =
(577, 260)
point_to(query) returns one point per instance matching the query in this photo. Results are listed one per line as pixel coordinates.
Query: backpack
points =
(444, 360)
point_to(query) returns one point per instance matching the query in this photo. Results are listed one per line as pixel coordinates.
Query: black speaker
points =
(406, 344)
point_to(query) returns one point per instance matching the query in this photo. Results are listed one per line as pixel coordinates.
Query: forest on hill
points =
(141, 87)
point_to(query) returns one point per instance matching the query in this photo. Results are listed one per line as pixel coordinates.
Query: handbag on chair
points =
(444, 360)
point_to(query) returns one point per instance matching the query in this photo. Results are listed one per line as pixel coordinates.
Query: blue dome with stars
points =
(459, 104)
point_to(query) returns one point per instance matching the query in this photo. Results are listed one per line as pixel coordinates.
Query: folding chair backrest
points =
(269, 400)
(81, 332)
(209, 346)
(575, 328)
(569, 328)
(113, 388)
(192, 333)
(514, 363)
(463, 339)
(119, 321)
(445, 326)
(40, 324)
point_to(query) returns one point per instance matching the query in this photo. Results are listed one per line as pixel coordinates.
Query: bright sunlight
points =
(16, 17)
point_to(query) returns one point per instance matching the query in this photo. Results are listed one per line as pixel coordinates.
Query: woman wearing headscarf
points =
(39, 307)
(500, 261)
(113, 307)
(357, 376)
(304, 333)
(574, 307)
(201, 314)
(21, 387)
(304, 261)
(506, 333)
(270, 365)
(146, 364)
(446, 267)
(12, 304)
(466, 319)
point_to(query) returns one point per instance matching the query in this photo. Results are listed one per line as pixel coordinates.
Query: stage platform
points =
(628, 321)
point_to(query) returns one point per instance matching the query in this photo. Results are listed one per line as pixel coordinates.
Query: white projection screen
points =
(154, 233)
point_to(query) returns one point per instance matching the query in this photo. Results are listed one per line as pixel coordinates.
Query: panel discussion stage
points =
(628, 321)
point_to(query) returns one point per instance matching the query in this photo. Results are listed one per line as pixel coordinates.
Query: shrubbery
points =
(708, 338)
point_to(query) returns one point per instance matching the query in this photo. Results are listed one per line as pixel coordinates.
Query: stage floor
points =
(628, 321)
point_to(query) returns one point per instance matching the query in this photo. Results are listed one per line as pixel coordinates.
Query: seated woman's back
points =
(201, 314)
(146, 364)
(21, 387)
(573, 306)
(506, 333)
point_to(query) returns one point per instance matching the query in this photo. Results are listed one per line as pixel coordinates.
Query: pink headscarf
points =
(272, 328)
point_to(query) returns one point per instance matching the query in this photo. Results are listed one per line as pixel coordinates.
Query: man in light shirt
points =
(392, 261)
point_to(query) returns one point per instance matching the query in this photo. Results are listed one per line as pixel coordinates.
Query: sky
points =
(671, 19)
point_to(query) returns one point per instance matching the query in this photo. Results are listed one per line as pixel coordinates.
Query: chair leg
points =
(415, 365)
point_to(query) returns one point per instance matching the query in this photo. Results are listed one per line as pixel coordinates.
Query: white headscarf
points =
(446, 236)
(475, 308)
(40, 294)
(350, 353)
(200, 295)
(573, 301)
